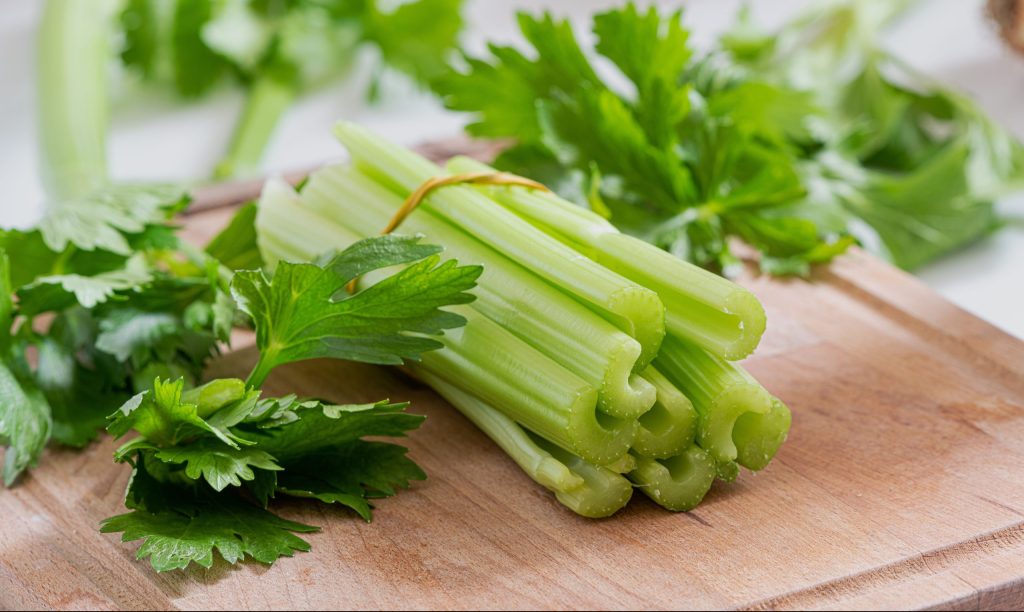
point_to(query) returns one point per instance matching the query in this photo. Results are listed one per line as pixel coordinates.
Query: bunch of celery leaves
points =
(798, 141)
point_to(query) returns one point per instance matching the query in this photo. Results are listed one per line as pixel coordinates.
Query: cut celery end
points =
(535, 461)
(533, 390)
(603, 493)
(759, 436)
(676, 483)
(721, 392)
(670, 426)
(701, 307)
(507, 293)
(586, 489)
(728, 471)
(634, 309)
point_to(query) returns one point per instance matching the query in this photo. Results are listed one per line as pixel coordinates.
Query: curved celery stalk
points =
(634, 309)
(734, 408)
(670, 426)
(267, 99)
(73, 96)
(530, 388)
(483, 356)
(508, 294)
(586, 489)
(677, 483)
(712, 312)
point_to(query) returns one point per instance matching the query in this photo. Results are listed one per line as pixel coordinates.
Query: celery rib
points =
(701, 307)
(530, 388)
(734, 409)
(72, 83)
(635, 309)
(267, 99)
(586, 489)
(676, 483)
(670, 426)
(507, 293)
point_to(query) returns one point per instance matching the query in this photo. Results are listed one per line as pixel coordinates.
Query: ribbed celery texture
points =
(507, 293)
(587, 489)
(564, 361)
(701, 307)
(635, 309)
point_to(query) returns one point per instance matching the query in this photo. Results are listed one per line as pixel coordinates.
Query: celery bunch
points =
(597, 361)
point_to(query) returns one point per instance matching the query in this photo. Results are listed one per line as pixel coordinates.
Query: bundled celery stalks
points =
(593, 359)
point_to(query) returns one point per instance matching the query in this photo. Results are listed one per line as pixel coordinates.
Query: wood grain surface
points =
(901, 486)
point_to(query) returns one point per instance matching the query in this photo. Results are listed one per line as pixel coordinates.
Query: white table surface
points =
(948, 39)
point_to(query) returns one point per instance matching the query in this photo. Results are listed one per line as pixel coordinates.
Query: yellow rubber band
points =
(468, 178)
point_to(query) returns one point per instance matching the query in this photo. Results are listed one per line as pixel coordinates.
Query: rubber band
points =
(469, 178)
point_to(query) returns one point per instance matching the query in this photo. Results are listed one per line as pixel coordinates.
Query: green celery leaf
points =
(263, 485)
(56, 292)
(172, 540)
(325, 427)
(164, 419)
(235, 246)
(218, 464)
(141, 36)
(416, 36)
(102, 219)
(196, 66)
(350, 474)
(298, 316)
(25, 423)
(80, 397)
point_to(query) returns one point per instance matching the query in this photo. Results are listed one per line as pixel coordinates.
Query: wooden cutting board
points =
(901, 486)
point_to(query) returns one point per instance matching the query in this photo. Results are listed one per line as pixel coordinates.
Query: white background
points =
(154, 139)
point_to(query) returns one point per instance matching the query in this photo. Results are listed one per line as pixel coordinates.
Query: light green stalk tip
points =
(670, 426)
(676, 483)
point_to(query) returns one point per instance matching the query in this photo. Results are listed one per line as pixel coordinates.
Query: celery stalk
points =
(482, 356)
(670, 426)
(586, 489)
(633, 308)
(287, 230)
(539, 314)
(701, 307)
(677, 483)
(267, 99)
(530, 388)
(735, 410)
(73, 96)
(506, 433)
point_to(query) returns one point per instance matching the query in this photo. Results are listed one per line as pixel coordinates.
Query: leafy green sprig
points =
(798, 142)
(132, 319)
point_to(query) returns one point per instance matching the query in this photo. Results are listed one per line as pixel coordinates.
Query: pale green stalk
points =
(266, 100)
(739, 420)
(631, 307)
(670, 426)
(584, 488)
(507, 293)
(701, 307)
(72, 89)
(676, 483)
